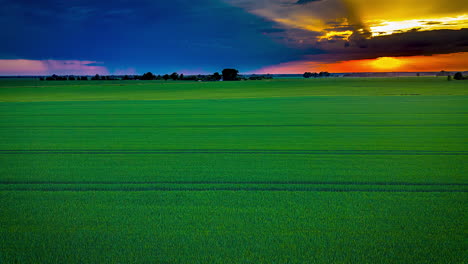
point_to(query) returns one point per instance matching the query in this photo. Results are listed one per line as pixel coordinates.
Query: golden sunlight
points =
(386, 63)
(382, 28)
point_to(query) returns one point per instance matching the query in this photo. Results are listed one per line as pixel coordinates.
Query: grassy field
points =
(282, 171)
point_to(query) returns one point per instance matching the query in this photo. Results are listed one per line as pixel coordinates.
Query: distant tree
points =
(217, 76)
(230, 74)
(307, 75)
(84, 78)
(443, 73)
(166, 77)
(96, 77)
(174, 76)
(148, 76)
(418, 74)
(41, 78)
(181, 77)
(449, 77)
(324, 74)
(71, 78)
(458, 76)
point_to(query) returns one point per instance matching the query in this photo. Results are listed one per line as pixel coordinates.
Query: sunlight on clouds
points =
(334, 18)
(389, 27)
(333, 34)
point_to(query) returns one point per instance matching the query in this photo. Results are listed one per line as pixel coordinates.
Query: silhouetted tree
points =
(96, 77)
(449, 77)
(307, 75)
(217, 76)
(458, 76)
(71, 78)
(324, 74)
(230, 75)
(174, 76)
(148, 76)
(181, 77)
(166, 77)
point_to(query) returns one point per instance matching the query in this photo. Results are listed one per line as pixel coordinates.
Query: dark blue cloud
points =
(161, 36)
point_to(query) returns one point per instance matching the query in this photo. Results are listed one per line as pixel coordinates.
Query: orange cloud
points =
(48, 67)
(448, 62)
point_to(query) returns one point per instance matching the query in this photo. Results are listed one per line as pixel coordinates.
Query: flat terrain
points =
(282, 171)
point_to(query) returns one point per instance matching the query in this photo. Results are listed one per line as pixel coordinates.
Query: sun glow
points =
(434, 63)
(382, 28)
(386, 63)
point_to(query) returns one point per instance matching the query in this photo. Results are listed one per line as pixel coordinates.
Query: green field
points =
(335, 170)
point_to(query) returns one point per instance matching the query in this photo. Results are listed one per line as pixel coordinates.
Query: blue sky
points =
(158, 36)
(204, 36)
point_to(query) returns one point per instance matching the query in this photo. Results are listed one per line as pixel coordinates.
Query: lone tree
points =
(165, 77)
(458, 76)
(230, 74)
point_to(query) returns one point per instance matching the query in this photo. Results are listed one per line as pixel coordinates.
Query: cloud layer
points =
(49, 67)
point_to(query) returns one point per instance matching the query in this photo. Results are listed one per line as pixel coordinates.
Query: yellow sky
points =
(380, 17)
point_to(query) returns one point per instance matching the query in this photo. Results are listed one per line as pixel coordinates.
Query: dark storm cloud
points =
(160, 36)
(303, 2)
(411, 43)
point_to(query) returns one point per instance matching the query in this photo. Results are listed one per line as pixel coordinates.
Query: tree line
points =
(226, 75)
(308, 75)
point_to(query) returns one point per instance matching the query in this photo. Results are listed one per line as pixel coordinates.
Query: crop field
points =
(335, 170)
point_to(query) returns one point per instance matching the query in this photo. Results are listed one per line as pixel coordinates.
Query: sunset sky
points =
(85, 37)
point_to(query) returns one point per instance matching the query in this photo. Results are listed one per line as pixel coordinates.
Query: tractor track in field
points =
(245, 189)
(85, 186)
(239, 126)
(231, 151)
(234, 183)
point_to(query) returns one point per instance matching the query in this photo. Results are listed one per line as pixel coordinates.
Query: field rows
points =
(244, 186)
(336, 170)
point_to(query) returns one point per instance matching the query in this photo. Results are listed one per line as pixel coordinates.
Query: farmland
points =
(278, 171)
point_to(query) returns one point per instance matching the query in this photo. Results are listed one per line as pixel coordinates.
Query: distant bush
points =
(260, 77)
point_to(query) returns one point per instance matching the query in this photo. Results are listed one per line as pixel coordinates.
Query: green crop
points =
(280, 171)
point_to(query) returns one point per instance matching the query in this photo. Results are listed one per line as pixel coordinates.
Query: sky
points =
(87, 37)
